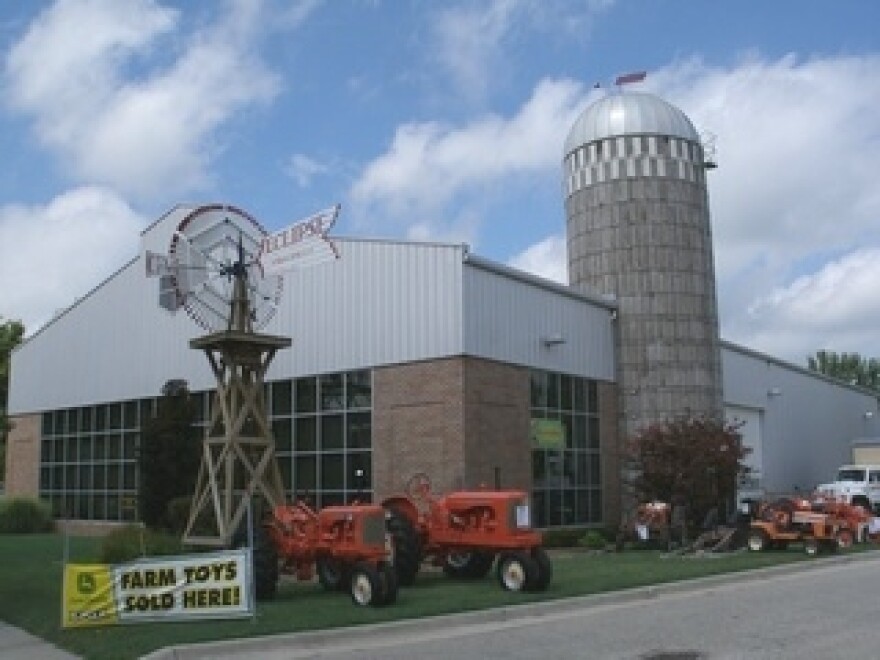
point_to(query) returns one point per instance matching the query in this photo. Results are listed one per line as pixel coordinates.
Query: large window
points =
(323, 435)
(566, 467)
(322, 427)
(88, 460)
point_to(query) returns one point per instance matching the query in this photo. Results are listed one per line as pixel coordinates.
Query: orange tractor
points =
(793, 520)
(345, 545)
(464, 532)
(857, 519)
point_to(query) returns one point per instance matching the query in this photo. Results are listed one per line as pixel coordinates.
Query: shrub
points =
(562, 538)
(23, 515)
(593, 539)
(133, 541)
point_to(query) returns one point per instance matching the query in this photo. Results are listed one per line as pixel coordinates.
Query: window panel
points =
(306, 395)
(304, 477)
(359, 389)
(359, 430)
(332, 472)
(282, 431)
(306, 434)
(332, 390)
(130, 415)
(331, 432)
(282, 401)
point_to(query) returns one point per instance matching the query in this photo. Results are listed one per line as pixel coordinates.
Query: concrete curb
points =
(298, 643)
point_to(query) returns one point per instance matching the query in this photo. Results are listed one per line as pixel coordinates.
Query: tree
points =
(850, 368)
(11, 335)
(691, 460)
(170, 455)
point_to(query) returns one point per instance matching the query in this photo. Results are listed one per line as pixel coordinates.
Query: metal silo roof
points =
(629, 113)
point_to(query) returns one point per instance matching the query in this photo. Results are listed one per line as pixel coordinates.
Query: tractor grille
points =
(374, 530)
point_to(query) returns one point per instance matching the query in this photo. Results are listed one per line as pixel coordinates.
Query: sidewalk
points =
(16, 644)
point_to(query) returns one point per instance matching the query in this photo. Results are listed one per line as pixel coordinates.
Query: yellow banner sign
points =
(548, 434)
(210, 585)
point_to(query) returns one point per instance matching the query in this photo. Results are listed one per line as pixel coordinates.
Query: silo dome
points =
(630, 113)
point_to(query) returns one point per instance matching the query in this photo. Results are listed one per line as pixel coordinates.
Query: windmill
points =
(227, 272)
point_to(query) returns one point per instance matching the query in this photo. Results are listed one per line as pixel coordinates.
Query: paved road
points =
(828, 611)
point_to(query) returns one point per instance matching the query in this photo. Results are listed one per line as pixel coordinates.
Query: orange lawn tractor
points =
(464, 532)
(793, 520)
(856, 518)
(345, 545)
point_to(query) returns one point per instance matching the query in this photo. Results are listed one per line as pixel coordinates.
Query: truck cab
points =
(855, 484)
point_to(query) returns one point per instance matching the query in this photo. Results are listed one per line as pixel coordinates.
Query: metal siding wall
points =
(809, 426)
(115, 344)
(506, 319)
(380, 303)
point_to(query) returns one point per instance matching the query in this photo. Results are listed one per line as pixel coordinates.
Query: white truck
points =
(856, 484)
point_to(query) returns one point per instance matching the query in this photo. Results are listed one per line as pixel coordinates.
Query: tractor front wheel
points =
(758, 540)
(388, 585)
(811, 547)
(516, 570)
(366, 585)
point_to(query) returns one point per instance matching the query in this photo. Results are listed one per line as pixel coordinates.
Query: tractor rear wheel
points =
(516, 570)
(332, 574)
(265, 565)
(545, 569)
(758, 540)
(468, 565)
(388, 585)
(366, 586)
(407, 550)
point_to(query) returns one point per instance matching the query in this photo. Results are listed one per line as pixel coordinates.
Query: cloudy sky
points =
(442, 121)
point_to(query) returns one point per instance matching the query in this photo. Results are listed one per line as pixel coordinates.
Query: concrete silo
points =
(638, 228)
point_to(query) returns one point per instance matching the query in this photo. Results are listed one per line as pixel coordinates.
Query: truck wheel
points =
(407, 550)
(757, 540)
(388, 585)
(332, 574)
(366, 586)
(516, 570)
(467, 565)
(545, 569)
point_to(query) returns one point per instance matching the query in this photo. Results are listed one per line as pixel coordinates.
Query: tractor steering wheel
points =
(418, 487)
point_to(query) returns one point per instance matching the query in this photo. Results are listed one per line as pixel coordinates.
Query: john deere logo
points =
(85, 583)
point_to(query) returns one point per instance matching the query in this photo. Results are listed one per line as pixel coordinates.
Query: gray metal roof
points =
(629, 113)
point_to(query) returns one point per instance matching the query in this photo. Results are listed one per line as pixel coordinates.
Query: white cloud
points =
(796, 186)
(302, 169)
(428, 165)
(838, 304)
(472, 41)
(124, 107)
(547, 258)
(51, 254)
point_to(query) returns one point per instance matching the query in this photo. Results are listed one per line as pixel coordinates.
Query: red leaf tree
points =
(694, 461)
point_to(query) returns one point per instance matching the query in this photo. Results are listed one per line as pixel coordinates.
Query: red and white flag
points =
(627, 78)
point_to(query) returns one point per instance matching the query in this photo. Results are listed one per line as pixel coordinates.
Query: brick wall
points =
(23, 456)
(497, 425)
(418, 424)
(610, 452)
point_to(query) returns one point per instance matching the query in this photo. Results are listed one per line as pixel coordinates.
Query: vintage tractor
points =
(793, 520)
(855, 518)
(464, 532)
(345, 545)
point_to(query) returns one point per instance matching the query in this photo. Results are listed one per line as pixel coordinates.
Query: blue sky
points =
(442, 121)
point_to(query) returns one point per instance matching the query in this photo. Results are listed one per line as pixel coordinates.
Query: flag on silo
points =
(627, 78)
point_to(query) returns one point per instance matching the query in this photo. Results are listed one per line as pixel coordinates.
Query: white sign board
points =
(303, 244)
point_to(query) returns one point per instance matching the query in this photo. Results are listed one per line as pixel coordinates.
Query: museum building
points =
(424, 357)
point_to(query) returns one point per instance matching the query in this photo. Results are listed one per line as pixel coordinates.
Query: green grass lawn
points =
(30, 594)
